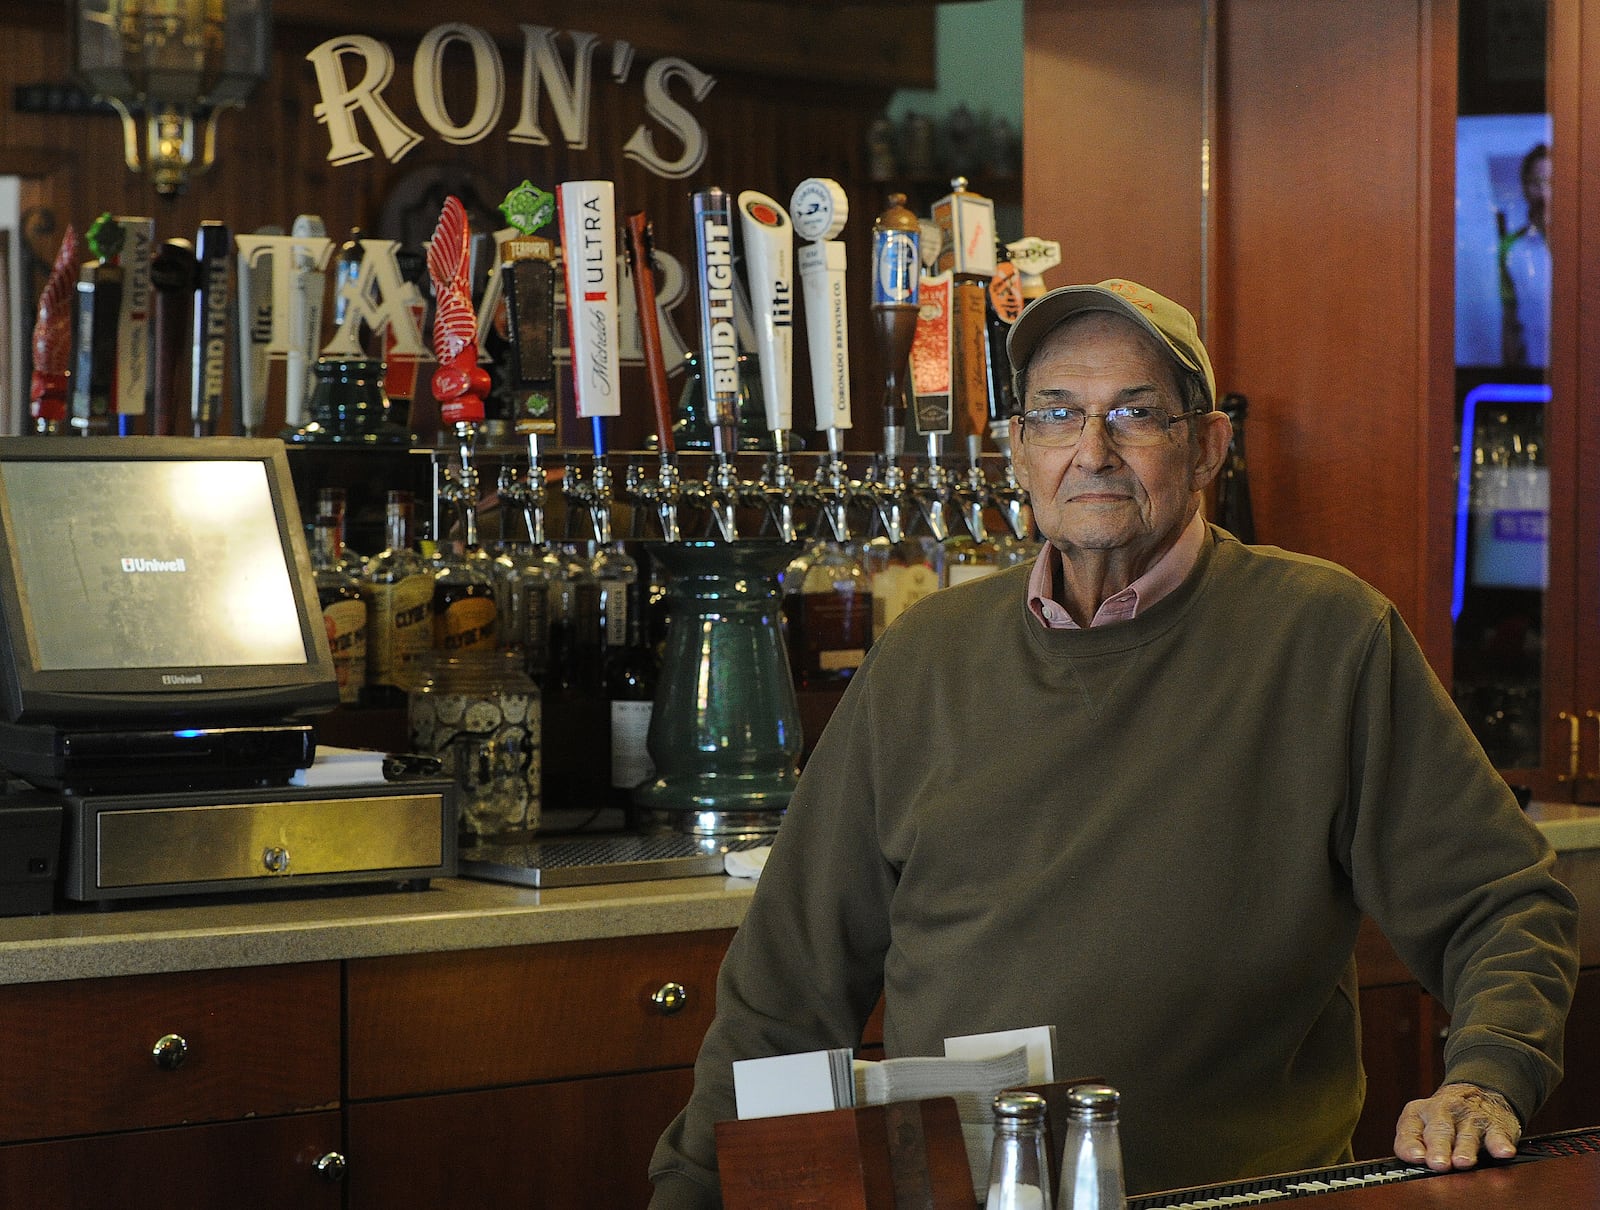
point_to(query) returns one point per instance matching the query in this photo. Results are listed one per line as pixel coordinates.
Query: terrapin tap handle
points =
(641, 262)
(99, 307)
(895, 284)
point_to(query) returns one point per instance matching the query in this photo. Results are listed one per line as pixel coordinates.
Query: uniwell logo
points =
(136, 565)
(173, 678)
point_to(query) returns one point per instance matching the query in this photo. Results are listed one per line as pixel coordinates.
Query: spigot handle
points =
(641, 261)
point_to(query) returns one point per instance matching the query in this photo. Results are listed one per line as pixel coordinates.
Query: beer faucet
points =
(931, 488)
(665, 491)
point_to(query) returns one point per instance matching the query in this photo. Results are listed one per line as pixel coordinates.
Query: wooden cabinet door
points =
(555, 1146)
(265, 1164)
(1395, 1054)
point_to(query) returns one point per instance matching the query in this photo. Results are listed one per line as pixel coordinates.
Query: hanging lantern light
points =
(171, 64)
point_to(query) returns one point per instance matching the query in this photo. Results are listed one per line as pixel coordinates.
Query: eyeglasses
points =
(1061, 428)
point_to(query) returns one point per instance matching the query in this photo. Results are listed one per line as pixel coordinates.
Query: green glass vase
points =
(725, 732)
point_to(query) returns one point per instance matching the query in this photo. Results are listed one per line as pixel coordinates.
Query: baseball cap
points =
(1156, 314)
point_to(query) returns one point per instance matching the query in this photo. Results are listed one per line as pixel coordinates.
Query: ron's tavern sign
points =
(354, 71)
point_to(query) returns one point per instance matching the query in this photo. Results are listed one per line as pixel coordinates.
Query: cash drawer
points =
(481, 1018)
(96, 1055)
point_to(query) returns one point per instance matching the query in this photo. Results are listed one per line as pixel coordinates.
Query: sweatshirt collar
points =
(1158, 581)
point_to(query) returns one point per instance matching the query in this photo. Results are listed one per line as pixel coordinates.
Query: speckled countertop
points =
(451, 914)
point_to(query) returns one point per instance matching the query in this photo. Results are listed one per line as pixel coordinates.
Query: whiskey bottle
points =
(827, 605)
(900, 573)
(965, 558)
(398, 588)
(614, 570)
(465, 617)
(344, 611)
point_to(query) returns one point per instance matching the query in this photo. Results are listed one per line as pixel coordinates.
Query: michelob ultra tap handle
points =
(769, 267)
(818, 210)
(588, 223)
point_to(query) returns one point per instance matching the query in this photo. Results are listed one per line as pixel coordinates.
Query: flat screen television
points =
(155, 582)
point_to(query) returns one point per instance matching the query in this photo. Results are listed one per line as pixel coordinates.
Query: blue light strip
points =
(1489, 392)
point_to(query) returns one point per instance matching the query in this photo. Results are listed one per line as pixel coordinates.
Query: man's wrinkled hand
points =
(1448, 1129)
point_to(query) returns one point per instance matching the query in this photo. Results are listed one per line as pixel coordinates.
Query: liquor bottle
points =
(614, 569)
(1091, 1159)
(344, 612)
(900, 573)
(1018, 1174)
(398, 588)
(577, 765)
(465, 617)
(331, 503)
(1014, 550)
(522, 573)
(631, 691)
(1233, 511)
(827, 605)
(965, 558)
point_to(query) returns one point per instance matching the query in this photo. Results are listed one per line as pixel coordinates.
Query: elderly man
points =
(1144, 791)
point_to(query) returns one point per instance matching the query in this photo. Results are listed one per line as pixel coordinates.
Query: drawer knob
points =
(276, 860)
(330, 1167)
(169, 1052)
(670, 998)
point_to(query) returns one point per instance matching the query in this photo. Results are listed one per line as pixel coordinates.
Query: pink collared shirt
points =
(1164, 575)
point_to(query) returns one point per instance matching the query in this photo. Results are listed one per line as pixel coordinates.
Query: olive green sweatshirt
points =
(1160, 837)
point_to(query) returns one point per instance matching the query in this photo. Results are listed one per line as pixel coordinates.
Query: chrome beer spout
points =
(778, 489)
(721, 493)
(663, 493)
(833, 490)
(885, 489)
(974, 494)
(593, 494)
(1009, 497)
(932, 490)
(530, 493)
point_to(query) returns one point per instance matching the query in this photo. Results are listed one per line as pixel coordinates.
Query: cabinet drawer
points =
(80, 1055)
(479, 1018)
(255, 1165)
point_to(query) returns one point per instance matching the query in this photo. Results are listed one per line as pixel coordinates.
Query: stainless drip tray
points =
(594, 860)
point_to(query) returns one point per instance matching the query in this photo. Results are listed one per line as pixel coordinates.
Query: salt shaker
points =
(1091, 1160)
(1017, 1179)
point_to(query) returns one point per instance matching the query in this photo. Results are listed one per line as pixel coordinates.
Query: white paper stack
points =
(812, 1082)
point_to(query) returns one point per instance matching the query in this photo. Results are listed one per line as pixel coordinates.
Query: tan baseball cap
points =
(1155, 313)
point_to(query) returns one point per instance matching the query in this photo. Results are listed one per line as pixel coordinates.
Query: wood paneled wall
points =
(1328, 263)
(797, 88)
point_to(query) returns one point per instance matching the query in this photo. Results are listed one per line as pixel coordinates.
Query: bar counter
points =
(452, 914)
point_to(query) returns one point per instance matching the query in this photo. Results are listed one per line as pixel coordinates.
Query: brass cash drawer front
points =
(263, 840)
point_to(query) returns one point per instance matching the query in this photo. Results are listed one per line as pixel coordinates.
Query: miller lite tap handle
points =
(641, 263)
(769, 266)
(52, 334)
(459, 383)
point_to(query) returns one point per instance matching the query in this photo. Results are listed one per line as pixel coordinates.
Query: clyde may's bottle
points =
(465, 617)
(398, 588)
(344, 612)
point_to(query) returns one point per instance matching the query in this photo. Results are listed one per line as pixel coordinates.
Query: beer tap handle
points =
(641, 262)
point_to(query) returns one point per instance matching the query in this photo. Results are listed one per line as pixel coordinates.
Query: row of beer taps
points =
(886, 498)
(955, 397)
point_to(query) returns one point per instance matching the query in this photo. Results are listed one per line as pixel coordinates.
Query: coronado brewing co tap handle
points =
(818, 210)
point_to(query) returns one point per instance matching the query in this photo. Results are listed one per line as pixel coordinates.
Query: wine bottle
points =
(344, 611)
(631, 691)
